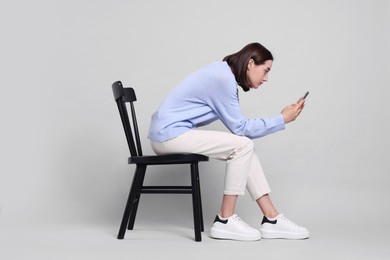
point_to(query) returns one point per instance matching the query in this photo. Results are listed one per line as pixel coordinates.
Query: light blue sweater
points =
(206, 95)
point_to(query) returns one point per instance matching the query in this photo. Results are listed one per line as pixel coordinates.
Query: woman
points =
(209, 94)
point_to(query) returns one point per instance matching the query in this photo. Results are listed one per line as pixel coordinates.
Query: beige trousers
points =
(243, 168)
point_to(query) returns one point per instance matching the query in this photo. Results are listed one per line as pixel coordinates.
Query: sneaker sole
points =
(283, 235)
(219, 234)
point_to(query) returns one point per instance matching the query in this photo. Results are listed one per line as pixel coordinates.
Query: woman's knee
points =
(245, 145)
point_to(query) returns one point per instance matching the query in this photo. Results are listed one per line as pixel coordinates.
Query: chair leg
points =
(195, 202)
(199, 198)
(129, 203)
(142, 170)
(197, 187)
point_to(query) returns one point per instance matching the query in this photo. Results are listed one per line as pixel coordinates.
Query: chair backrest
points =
(122, 96)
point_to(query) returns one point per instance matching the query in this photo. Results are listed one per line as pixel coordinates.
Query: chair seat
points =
(181, 158)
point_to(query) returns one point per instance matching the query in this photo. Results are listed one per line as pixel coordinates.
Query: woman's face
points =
(258, 74)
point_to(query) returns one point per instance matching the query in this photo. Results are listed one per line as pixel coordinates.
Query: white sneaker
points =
(233, 228)
(281, 227)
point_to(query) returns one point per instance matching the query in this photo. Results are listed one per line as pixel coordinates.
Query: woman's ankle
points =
(271, 215)
(225, 214)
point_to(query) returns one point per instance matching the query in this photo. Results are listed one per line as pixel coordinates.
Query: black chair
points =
(127, 95)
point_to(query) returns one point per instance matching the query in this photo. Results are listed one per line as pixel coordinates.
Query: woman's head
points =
(245, 65)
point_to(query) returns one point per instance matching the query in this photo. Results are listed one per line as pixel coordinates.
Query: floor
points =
(50, 241)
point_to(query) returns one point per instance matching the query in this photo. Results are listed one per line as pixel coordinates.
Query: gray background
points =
(63, 149)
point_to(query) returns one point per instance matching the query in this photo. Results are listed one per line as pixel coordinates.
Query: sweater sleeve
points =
(224, 101)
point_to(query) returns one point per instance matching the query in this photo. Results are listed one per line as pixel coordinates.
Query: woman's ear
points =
(251, 62)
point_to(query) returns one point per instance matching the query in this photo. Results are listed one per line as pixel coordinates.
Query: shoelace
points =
(240, 221)
(289, 221)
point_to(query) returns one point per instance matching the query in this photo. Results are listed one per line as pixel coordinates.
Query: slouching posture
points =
(209, 94)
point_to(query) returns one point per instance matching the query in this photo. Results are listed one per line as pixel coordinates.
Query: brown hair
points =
(238, 61)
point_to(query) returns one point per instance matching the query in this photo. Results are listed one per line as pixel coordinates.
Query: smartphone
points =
(305, 95)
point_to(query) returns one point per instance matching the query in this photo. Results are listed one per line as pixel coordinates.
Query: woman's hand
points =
(291, 112)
